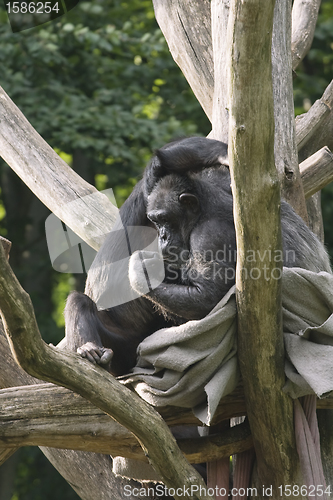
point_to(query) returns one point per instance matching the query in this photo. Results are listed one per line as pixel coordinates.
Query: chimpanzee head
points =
(174, 208)
(192, 154)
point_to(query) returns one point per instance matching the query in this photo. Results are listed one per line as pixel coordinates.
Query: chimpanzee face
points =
(174, 209)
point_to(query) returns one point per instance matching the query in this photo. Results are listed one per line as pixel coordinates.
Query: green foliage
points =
(313, 76)
(316, 70)
(32, 470)
(100, 80)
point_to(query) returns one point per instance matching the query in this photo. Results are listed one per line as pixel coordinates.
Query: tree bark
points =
(220, 17)
(256, 194)
(47, 415)
(285, 151)
(315, 128)
(317, 171)
(304, 19)
(187, 29)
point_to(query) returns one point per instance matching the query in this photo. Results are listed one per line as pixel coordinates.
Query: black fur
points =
(186, 193)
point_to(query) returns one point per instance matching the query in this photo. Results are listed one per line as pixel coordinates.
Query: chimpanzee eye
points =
(189, 200)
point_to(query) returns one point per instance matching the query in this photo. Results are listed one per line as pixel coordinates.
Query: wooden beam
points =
(48, 415)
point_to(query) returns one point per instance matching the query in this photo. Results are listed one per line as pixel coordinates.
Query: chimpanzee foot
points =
(96, 354)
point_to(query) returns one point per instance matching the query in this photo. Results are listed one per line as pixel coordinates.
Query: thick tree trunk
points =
(256, 194)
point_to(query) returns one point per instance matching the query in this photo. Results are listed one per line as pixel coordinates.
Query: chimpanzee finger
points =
(106, 356)
(89, 354)
(90, 357)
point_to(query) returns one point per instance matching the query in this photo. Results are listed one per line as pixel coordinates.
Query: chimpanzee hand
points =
(146, 271)
(96, 354)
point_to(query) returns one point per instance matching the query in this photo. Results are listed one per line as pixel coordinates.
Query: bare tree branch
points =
(187, 29)
(220, 117)
(309, 123)
(317, 171)
(47, 415)
(304, 19)
(314, 129)
(86, 211)
(285, 151)
(93, 383)
(6, 245)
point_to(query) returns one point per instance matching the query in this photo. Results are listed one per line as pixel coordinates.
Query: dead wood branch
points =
(86, 211)
(314, 129)
(309, 123)
(317, 171)
(93, 383)
(304, 19)
(256, 193)
(187, 29)
(48, 415)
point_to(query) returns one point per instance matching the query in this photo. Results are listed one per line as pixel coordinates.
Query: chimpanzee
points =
(185, 194)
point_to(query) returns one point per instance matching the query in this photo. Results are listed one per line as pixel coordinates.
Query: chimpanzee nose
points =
(163, 234)
(157, 216)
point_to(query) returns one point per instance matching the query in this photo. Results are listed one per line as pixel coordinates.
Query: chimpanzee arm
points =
(193, 300)
(115, 332)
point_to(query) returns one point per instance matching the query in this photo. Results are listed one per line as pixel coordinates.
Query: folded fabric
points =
(307, 305)
(194, 365)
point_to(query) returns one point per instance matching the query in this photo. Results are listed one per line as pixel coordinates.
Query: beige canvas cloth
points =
(194, 365)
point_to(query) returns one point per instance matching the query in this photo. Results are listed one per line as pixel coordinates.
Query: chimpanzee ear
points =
(189, 200)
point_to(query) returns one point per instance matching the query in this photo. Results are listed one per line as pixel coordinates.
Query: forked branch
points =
(93, 383)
